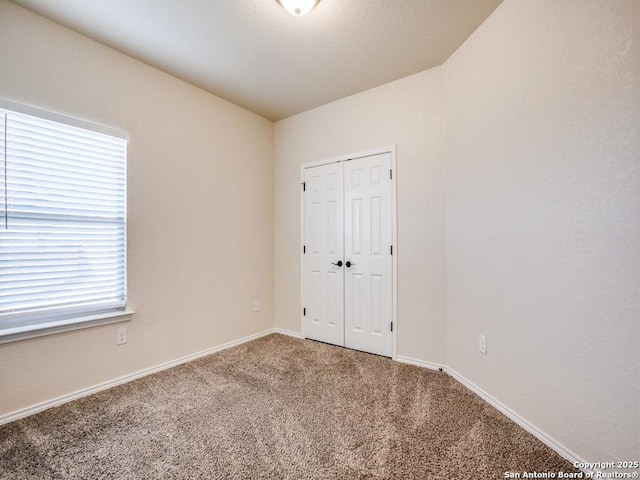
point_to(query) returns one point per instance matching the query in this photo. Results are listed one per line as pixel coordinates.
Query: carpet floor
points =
(276, 408)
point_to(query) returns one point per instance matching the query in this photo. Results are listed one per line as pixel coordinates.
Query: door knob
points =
(348, 264)
(339, 264)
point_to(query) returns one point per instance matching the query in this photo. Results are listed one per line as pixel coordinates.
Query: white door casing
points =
(348, 217)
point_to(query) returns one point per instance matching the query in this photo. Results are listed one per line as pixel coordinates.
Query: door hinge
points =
(304, 312)
(392, 326)
(304, 186)
(390, 174)
(391, 248)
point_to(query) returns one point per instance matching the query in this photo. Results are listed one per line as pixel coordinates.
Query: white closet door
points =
(367, 242)
(324, 236)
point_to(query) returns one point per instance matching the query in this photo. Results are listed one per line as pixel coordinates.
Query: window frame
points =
(79, 320)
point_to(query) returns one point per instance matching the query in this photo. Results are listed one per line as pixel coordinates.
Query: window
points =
(62, 224)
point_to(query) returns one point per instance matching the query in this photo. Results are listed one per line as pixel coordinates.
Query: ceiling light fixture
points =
(298, 7)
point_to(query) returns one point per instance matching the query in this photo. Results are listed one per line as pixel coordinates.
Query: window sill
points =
(16, 334)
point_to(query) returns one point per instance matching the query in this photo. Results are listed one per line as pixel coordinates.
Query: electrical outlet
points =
(256, 305)
(482, 344)
(121, 336)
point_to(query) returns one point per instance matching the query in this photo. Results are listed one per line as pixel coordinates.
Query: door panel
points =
(324, 234)
(368, 235)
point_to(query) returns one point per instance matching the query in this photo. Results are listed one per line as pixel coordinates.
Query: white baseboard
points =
(420, 363)
(529, 427)
(288, 333)
(25, 412)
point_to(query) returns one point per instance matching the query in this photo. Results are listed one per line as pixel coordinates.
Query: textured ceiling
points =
(255, 54)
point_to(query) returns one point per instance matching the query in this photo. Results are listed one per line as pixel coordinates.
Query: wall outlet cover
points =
(121, 336)
(482, 344)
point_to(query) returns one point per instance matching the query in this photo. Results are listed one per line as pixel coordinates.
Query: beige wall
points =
(200, 209)
(543, 208)
(406, 113)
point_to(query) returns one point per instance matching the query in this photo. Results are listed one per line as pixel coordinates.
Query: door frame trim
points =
(391, 149)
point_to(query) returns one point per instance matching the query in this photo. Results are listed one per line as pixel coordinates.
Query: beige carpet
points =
(276, 408)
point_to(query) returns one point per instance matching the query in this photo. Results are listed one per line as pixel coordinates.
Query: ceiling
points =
(255, 54)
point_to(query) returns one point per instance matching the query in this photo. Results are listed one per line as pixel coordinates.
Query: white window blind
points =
(62, 221)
